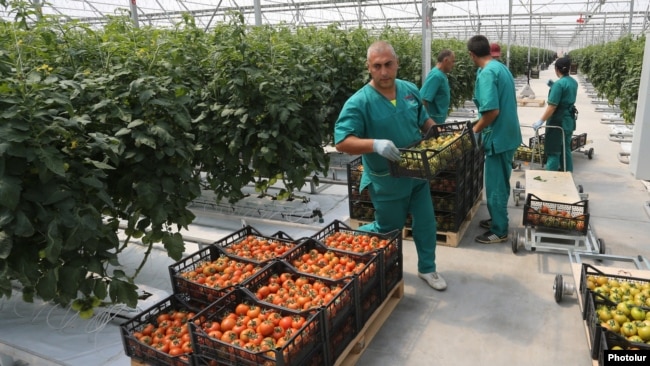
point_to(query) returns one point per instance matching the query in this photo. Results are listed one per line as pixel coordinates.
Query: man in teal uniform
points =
(560, 112)
(435, 91)
(496, 99)
(383, 115)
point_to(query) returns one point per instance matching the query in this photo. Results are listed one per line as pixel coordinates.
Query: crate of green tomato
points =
(430, 156)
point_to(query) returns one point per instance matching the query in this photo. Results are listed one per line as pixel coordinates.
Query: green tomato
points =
(637, 313)
(604, 314)
(612, 325)
(620, 317)
(623, 306)
(628, 329)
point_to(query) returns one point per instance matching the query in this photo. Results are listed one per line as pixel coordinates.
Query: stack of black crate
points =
(454, 191)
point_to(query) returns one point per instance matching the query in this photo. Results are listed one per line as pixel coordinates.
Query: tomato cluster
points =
(359, 243)
(254, 329)
(258, 248)
(555, 218)
(296, 292)
(221, 273)
(169, 334)
(328, 264)
(627, 314)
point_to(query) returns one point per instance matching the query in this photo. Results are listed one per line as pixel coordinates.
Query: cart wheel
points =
(580, 190)
(515, 242)
(590, 153)
(601, 246)
(558, 288)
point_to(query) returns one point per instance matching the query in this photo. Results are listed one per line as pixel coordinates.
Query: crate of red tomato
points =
(249, 244)
(571, 217)
(239, 330)
(339, 236)
(160, 335)
(313, 258)
(282, 285)
(210, 273)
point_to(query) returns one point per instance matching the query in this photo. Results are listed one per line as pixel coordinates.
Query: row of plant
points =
(124, 126)
(614, 69)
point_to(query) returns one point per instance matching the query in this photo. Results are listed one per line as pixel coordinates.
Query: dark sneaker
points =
(490, 238)
(485, 224)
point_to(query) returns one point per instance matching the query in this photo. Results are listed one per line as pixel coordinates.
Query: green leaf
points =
(54, 243)
(174, 245)
(46, 285)
(52, 160)
(145, 95)
(123, 292)
(100, 165)
(6, 245)
(135, 123)
(92, 182)
(10, 188)
(123, 131)
(23, 227)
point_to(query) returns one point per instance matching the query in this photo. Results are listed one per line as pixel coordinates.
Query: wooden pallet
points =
(357, 346)
(445, 238)
(523, 102)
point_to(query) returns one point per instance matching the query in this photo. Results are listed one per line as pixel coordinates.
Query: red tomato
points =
(285, 322)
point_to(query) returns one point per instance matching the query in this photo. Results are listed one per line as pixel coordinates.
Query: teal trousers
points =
(391, 215)
(498, 168)
(555, 162)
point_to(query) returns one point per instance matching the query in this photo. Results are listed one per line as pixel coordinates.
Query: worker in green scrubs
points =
(560, 112)
(496, 99)
(382, 116)
(435, 91)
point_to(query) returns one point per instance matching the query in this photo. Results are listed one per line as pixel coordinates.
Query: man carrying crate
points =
(383, 115)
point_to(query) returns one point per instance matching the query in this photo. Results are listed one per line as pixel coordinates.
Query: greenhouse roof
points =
(555, 24)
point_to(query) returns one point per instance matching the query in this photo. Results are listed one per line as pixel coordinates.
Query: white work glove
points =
(537, 125)
(387, 149)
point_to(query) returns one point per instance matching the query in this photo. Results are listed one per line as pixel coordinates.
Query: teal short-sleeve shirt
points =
(495, 89)
(368, 114)
(435, 91)
(563, 95)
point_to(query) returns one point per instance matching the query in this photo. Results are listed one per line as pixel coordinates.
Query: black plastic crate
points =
(426, 163)
(354, 171)
(299, 349)
(337, 300)
(609, 340)
(587, 270)
(570, 217)
(149, 354)
(593, 301)
(366, 266)
(448, 202)
(391, 256)
(447, 181)
(577, 141)
(449, 222)
(360, 210)
(250, 245)
(188, 277)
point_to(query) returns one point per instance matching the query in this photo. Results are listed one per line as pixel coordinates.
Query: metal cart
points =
(556, 188)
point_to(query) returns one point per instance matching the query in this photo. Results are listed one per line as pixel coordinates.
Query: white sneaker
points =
(434, 279)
